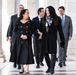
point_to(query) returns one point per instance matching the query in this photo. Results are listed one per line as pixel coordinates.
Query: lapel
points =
(16, 16)
(65, 21)
(38, 21)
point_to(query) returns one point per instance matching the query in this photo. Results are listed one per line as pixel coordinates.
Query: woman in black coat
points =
(24, 29)
(51, 23)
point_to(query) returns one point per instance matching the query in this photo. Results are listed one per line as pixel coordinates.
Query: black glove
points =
(62, 44)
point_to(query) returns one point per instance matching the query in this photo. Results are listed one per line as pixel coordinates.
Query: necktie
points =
(62, 21)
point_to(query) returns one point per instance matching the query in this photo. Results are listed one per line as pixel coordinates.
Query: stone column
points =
(8, 9)
(54, 3)
(70, 10)
(17, 2)
(32, 6)
(24, 2)
(2, 57)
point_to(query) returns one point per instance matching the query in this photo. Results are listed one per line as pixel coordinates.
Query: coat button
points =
(21, 31)
(21, 26)
(26, 31)
(26, 26)
(21, 42)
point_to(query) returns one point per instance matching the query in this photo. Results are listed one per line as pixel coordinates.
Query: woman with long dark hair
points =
(51, 23)
(24, 29)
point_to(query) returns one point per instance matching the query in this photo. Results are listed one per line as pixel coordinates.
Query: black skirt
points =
(26, 55)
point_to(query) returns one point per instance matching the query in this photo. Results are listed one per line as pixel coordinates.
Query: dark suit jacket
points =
(36, 24)
(7, 35)
(10, 31)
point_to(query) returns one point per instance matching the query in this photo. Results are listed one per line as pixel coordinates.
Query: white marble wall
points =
(54, 3)
(8, 9)
(2, 56)
(32, 6)
(0, 26)
(71, 11)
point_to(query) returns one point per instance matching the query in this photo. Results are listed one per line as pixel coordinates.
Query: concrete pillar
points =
(24, 2)
(54, 3)
(2, 57)
(32, 6)
(8, 9)
(70, 10)
(17, 2)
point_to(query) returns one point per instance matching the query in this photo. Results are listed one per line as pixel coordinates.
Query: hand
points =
(40, 37)
(70, 38)
(7, 38)
(10, 39)
(23, 36)
(39, 32)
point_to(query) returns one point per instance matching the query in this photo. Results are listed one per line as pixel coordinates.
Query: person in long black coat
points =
(24, 29)
(51, 23)
(11, 36)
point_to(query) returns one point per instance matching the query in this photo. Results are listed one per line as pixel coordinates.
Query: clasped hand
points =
(23, 37)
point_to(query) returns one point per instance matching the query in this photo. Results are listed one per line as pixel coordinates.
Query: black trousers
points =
(11, 46)
(38, 52)
(50, 62)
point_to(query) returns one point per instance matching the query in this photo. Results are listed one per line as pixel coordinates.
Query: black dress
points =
(24, 53)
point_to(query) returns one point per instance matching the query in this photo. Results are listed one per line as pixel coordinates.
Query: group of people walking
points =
(45, 29)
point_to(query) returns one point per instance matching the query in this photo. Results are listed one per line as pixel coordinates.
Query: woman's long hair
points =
(52, 14)
(21, 13)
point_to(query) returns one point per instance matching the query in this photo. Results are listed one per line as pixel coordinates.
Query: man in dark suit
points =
(68, 31)
(37, 38)
(11, 36)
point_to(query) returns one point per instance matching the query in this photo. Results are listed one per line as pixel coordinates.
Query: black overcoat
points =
(25, 29)
(49, 39)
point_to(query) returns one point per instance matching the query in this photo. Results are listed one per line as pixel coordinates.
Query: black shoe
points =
(22, 72)
(52, 71)
(38, 66)
(41, 64)
(14, 65)
(48, 70)
(64, 64)
(19, 67)
(60, 64)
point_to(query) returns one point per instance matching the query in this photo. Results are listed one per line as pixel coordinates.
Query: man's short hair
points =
(39, 10)
(21, 5)
(61, 7)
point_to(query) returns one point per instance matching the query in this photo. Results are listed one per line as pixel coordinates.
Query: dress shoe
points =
(48, 70)
(38, 66)
(21, 71)
(60, 64)
(41, 64)
(52, 71)
(64, 64)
